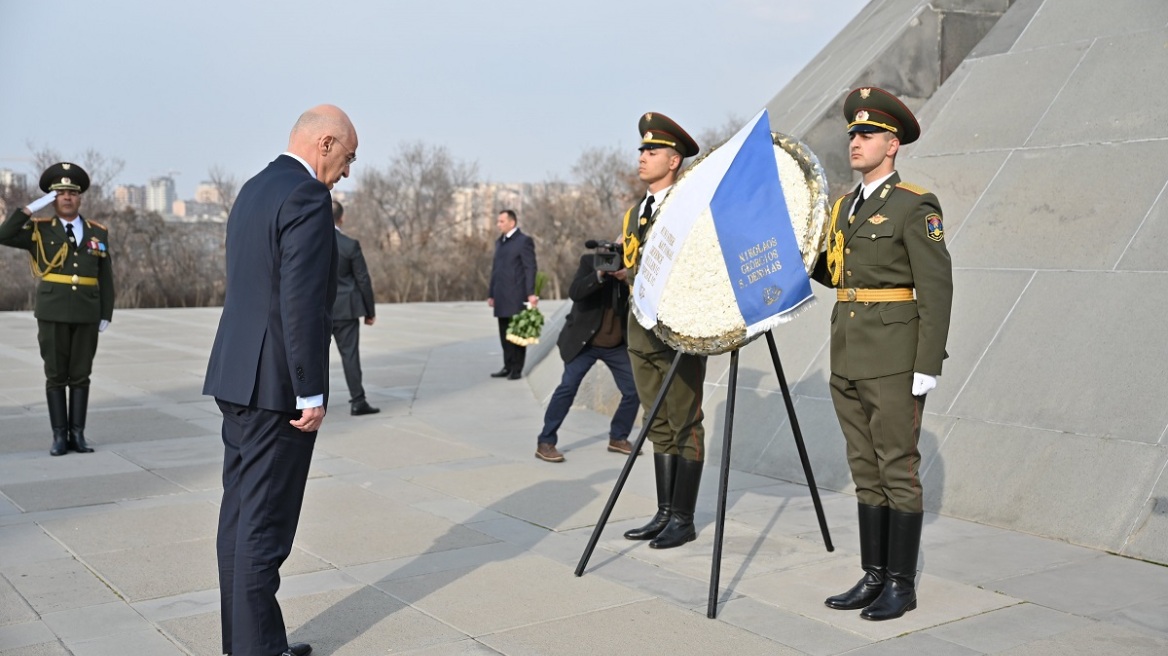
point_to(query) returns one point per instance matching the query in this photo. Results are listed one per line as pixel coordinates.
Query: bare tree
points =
(711, 138)
(226, 187)
(610, 174)
(413, 197)
(404, 216)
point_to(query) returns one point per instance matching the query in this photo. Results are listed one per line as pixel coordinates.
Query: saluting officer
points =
(676, 432)
(887, 259)
(75, 297)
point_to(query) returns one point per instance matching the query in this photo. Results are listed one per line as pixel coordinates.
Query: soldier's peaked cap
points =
(659, 131)
(870, 109)
(64, 176)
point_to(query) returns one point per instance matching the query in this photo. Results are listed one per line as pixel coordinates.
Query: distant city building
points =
(10, 180)
(207, 193)
(130, 197)
(475, 208)
(160, 195)
(193, 210)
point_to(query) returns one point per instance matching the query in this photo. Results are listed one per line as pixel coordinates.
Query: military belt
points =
(848, 295)
(70, 280)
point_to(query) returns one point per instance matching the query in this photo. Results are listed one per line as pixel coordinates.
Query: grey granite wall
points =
(1048, 147)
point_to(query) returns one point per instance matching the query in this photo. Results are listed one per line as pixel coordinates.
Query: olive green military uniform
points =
(887, 259)
(679, 449)
(894, 242)
(75, 293)
(677, 428)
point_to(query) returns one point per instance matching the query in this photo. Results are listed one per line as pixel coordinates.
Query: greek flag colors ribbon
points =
(738, 184)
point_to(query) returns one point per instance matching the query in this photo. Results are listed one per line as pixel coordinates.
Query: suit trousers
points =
(514, 355)
(265, 467)
(67, 350)
(617, 359)
(677, 428)
(881, 421)
(347, 335)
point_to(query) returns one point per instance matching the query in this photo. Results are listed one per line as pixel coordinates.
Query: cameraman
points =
(595, 330)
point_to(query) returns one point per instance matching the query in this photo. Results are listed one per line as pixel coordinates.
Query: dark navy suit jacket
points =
(273, 340)
(513, 274)
(354, 287)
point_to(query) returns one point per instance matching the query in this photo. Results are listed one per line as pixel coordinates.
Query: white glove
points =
(103, 324)
(43, 201)
(922, 383)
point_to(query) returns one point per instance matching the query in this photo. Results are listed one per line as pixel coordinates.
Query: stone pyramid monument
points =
(1046, 139)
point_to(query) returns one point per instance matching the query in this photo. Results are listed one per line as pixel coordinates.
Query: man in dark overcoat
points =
(512, 284)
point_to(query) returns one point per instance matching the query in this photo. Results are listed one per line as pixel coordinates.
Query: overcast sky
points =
(520, 87)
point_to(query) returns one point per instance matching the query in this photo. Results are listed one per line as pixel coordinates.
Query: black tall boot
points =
(900, 588)
(59, 420)
(665, 470)
(873, 558)
(78, 408)
(685, 497)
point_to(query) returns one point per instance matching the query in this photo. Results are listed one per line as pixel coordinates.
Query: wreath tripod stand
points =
(716, 565)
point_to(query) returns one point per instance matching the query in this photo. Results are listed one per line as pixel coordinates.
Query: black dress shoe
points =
(362, 407)
(502, 373)
(298, 649)
(515, 376)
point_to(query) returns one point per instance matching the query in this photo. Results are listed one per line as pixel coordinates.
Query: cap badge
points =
(66, 166)
(648, 136)
(862, 115)
(649, 116)
(864, 93)
(66, 181)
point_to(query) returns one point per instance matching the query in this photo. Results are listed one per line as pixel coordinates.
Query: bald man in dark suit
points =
(268, 369)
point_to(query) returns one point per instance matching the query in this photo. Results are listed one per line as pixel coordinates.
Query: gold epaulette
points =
(908, 186)
(87, 221)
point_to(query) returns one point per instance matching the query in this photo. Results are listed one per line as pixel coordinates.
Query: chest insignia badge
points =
(877, 219)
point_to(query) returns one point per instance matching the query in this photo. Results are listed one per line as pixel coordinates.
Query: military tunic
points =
(75, 293)
(895, 242)
(677, 428)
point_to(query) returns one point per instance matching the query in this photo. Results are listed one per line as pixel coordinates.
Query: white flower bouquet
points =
(525, 327)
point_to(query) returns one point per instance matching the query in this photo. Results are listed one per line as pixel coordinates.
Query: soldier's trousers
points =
(67, 350)
(881, 421)
(677, 428)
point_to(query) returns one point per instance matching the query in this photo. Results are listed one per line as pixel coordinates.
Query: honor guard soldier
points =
(75, 296)
(676, 432)
(887, 260)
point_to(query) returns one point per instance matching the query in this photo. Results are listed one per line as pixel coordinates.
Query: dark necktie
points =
(858, 205)
(645, 216)
(69, 232)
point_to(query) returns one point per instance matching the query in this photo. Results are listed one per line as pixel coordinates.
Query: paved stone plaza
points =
(431, 529)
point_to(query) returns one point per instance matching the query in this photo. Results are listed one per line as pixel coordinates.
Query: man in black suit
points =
(268, 369)
(354, 301)
(512, 283)
(595, 330)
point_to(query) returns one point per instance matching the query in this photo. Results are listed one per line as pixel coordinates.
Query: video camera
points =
(606, 255)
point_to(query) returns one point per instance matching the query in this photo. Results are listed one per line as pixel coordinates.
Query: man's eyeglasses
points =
(352, 152)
